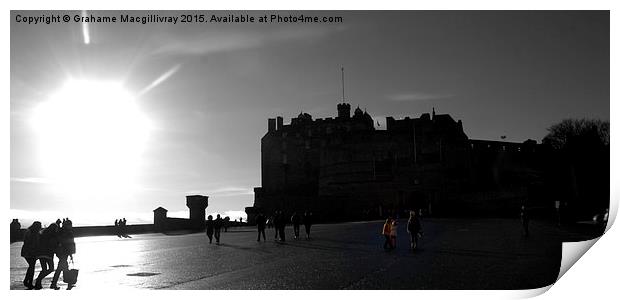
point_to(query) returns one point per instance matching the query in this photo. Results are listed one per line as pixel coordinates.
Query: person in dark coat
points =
(276, 223)
(117, 228)
(48, 244)
(414, 228)
(15, 228)
(217, 228)
(226, 223)
(281, 227)
(210, 227)
(260, 226)
(124, 228)
(296, 220)
(64, 250)
(308, 223)
(525, 221)
(30, 250)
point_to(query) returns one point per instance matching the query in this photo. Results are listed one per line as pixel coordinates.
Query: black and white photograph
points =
(305, 150)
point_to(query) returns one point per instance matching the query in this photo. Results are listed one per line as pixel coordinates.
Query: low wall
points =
(111, 230)
(99, 230)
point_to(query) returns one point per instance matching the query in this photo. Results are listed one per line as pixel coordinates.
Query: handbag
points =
(70, 276)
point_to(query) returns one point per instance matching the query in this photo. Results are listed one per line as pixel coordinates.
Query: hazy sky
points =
(206, 91)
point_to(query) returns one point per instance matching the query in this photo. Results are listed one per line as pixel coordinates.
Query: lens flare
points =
(91, 135)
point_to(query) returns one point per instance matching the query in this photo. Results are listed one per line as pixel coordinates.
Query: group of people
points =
(42, 244)
(390, 231)
(120, 227)
(279, 222)
(214, 228)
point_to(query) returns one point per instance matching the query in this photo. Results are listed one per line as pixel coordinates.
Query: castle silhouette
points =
(343, 168)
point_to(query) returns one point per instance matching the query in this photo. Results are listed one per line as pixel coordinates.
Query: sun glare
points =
(91, 135)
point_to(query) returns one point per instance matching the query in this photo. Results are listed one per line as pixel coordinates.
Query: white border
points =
(593, 276)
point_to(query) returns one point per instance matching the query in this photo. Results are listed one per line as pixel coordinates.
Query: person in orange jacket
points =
(387, 231)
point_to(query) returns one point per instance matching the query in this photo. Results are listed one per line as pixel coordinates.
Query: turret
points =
(197, 205)
(358, 112)
(344, 110)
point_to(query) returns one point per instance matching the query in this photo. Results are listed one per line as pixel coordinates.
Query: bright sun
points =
(91, 135)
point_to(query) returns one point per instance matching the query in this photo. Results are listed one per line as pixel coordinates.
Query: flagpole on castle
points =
(342, 70)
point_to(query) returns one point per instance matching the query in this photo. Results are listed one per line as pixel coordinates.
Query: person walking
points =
(48, 244)
(120, 227)
(210, 226)
(226, 223)
(281, 227)
(117, 228)
(30, 250)
(414, 229)
(124, 228)
(308, 223)
(217, 228)
(260, 226)
(387, 230)
(394, 232)
(276, 223)
(65, 249)
(15, 228)
(296, 220)
(525, 220)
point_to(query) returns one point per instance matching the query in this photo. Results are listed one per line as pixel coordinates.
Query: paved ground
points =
(454, 254)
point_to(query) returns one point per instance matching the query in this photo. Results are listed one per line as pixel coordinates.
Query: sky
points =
(115, 120)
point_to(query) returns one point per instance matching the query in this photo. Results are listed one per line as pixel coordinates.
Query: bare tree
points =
(560, 133)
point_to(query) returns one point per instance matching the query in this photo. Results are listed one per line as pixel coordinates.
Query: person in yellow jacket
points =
(387, 231)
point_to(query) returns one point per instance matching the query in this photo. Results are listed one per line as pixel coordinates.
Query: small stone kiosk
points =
(197, 205)
(159, 219)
